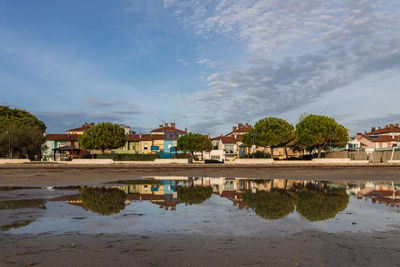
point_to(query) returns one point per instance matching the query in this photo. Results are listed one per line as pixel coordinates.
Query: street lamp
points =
(93, 135)
(9, 144)
(253, 134)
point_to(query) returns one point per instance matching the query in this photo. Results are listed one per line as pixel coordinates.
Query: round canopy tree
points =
(272, 132)
(319, 205)
(192, 142)
(319, 132)
(21, 133)
(270, 205)
(104, 201)
(103, 136)
(194, 195)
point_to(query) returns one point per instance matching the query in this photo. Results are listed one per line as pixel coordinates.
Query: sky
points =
(204, 64)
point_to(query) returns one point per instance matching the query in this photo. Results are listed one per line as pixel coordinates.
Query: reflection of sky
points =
(216, 216)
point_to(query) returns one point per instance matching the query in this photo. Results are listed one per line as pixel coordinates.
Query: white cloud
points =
(297, 50)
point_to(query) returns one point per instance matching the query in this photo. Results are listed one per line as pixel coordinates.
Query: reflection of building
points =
(382, 193)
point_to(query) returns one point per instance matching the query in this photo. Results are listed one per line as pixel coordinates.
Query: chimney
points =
(373, 129)
(160, 125)
(359, 135)
(247, 124)
(234, 128)
(173, 125)
(397, 124)
(240, 124)
(166, 124)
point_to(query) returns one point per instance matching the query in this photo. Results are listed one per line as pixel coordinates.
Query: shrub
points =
(129, 157)
(212, 161)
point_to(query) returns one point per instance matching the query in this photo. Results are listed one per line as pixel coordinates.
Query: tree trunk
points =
(286, 154)
(272, 152)
(319, 151)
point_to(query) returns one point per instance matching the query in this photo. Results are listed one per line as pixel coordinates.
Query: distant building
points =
(380, 138)
(170, 136)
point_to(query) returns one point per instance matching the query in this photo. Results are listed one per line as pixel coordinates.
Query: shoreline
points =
(64, 175)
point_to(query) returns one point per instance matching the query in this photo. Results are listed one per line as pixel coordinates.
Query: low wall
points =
(250, 161)
(394, 161)
(170, 161)
(331, 160)
(90, 161)
(14, 161)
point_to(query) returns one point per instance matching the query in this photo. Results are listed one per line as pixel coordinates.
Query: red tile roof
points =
(388, 129)
(167, 129)
(83, 128)
(382, 138)
(226, 139)
(62, 137)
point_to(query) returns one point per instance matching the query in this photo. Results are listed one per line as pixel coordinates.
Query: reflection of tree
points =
(23, 204)
(104, 201)
(270, 205)
(194, 195)
(318, 205)
(16, 225)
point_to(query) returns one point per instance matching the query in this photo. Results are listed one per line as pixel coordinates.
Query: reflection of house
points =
(382, 193)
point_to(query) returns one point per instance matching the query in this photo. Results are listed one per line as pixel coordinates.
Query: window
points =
(229, 148)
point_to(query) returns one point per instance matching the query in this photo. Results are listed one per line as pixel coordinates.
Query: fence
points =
(373, 157)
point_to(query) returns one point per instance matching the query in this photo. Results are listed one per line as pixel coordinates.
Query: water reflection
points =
(104, 201)
(184, 203)
(270, 199)
(23, 203)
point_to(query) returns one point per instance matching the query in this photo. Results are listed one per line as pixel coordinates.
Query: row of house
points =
(160, 140)
(226, 147)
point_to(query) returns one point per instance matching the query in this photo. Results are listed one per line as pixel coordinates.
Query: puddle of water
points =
(217, 206)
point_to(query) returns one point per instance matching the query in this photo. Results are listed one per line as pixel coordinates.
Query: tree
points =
(319, 132)
(192, 142)
(272, 132)
(318, 205)
(104, 201)
(193, 195)
(103, 136)
(21, 132)
(270, 205)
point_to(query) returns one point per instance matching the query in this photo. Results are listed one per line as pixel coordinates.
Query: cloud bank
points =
(297, 50)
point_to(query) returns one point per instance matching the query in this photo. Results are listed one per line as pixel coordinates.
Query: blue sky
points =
(206, 65)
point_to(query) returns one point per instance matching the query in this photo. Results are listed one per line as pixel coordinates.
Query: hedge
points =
(129, 157)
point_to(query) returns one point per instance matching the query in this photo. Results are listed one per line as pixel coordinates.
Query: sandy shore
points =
(311, 248)
(49, 175)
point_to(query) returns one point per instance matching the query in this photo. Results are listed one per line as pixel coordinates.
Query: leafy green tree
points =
(194, 195)
(272, 132)
(103, 136)
(319, 205)
(319, 132)
(193, 142)
(22, 132)
(104, 201)
(270, 205)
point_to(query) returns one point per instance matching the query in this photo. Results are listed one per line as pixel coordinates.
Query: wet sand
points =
(310, 248)
(52, 175)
